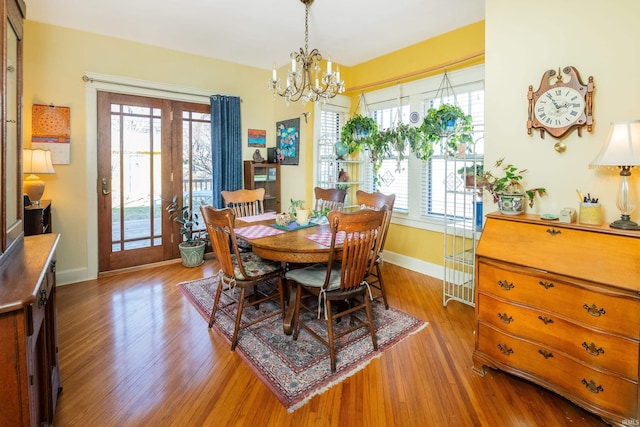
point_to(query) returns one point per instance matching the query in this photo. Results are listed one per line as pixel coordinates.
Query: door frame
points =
(95, 82)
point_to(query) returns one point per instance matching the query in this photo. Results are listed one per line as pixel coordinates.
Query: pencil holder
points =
(590, 214)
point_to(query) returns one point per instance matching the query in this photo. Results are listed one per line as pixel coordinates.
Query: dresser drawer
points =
(594, 348)
(561, 373)
(591, 254)
(602, 308)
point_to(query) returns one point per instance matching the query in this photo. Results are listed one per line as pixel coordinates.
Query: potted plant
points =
(356, 130)
(394, 142)
(507, 188)
(449, 126)
(473, 175)
(193, 244)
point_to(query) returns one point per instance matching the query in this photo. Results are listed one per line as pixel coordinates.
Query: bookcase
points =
(267, 176)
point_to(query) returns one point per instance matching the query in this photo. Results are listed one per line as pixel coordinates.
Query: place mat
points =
(297, 370)
(257, 231)
(256, 218)
(325, 238)
(293, 226)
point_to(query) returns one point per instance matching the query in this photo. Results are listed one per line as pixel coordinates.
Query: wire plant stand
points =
(463, 225)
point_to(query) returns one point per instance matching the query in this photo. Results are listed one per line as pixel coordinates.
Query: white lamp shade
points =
(35, 162)
(622, 147)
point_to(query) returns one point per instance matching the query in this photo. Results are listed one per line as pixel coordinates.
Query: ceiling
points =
(263, 32)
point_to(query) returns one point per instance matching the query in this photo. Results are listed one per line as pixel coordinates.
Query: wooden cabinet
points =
(267, 176)
(559, 304)
(37, 219)
(12, 13)
(29, 363)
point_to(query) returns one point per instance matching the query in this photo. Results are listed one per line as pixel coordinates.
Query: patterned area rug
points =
(295, 371)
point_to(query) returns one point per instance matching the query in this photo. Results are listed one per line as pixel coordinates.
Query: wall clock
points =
(561, 104)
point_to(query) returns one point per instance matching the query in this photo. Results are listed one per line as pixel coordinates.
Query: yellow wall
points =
(55, 60)
(463, 47)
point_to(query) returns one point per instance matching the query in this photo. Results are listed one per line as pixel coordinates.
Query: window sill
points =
(430, 224)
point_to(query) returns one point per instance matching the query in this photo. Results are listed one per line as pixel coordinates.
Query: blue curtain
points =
(226, 146)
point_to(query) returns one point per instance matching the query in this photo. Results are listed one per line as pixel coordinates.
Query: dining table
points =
(292, 245)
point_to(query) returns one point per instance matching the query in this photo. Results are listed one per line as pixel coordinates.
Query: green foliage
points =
(508, 179)
(295, 204)
(447, 125)
(188, 220)
(357, 130)
(476, 169)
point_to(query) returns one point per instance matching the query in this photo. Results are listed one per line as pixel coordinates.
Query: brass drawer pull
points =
(504, 349)
(594, 310)
(505, 318)
(592, 349)
(546, 285)
(545, 353)
(545, 320)
(506, 286)
(553, 232)
(591, 386)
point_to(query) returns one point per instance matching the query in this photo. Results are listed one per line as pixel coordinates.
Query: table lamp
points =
(35, 162)
(622, 149)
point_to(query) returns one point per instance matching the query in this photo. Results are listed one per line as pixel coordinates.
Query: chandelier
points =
(305, 79)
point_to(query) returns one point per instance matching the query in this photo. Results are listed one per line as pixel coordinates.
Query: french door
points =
(140, 169)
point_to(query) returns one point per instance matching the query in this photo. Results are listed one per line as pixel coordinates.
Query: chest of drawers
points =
(559, 305)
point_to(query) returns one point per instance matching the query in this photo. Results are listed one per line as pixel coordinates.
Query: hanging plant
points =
(357, 130)
(449, 126)
(393, 142)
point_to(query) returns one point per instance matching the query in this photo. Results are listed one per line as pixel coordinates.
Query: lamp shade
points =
(622, 147)
(37, 161)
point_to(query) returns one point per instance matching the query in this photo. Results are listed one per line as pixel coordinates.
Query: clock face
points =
(559, 107)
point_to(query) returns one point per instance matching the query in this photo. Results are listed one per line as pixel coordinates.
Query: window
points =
(412, 177)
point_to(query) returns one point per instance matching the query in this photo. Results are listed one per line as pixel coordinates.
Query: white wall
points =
(523, 40)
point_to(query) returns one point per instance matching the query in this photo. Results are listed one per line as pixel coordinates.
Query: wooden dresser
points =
(559, 305)
(29, 368)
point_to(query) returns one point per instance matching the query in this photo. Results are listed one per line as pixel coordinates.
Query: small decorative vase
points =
(283, 219)
(341, 149)
(302, 216)
(511, 204)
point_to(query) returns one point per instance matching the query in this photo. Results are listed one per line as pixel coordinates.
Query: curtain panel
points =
(226, 146)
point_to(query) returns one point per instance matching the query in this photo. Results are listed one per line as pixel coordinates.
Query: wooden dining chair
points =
(241, 270)
(340, 280)
(376, 201)
(244, 202)
(331, 198)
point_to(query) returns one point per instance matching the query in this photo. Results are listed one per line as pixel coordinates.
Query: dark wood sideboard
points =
(29, 363)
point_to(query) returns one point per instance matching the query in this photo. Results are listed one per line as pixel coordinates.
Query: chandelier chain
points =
(305, 79)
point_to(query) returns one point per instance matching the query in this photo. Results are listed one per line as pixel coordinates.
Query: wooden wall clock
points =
(561, 104)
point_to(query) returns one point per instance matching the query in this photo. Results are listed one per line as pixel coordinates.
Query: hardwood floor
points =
(134, 352)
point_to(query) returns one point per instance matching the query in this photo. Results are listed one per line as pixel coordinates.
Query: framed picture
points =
(288, 141)
(257, 138)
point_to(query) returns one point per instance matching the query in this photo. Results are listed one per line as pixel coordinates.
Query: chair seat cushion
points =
(314, 275)
(253, 265)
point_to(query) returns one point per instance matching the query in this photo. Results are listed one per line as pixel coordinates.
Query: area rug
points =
(295, 371)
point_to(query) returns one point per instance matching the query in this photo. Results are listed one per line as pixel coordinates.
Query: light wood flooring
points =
(135, 352)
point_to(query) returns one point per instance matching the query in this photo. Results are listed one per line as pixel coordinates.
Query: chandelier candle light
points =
(622, 150)
(305, 79)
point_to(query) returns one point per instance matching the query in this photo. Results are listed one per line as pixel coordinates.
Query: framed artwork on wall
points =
(288, 141)
(257, 138)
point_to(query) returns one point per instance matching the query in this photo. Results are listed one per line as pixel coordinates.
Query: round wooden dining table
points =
(290, 247)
